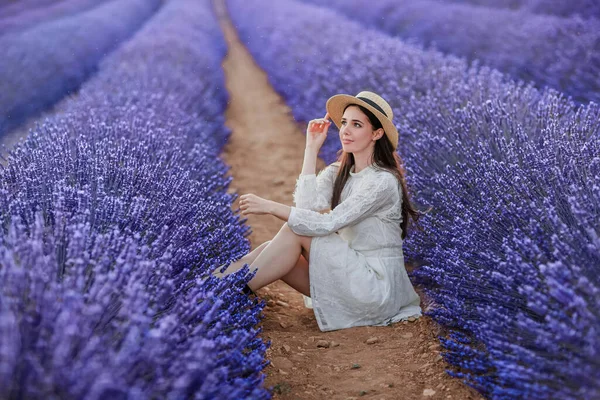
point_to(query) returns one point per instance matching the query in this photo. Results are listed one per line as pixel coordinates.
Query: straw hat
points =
(371, 101)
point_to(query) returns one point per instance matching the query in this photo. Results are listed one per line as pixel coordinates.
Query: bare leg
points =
(298, 277)
(279, 258)
(239, 264)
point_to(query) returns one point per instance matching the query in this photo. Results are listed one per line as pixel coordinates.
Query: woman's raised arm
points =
(312, 192)
(316, 132)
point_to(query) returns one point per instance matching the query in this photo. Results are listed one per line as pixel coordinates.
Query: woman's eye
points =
(343, 122)
(357, 124)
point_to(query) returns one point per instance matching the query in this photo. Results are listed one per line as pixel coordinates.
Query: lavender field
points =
(510, 252)
(560, 52)
(116, 207)
(32, 16)
(58, 55)
(585, 8)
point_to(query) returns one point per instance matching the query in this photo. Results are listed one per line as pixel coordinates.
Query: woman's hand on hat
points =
(253, 204)
(316, 132)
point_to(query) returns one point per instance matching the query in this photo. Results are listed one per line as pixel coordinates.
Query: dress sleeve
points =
(313, 192)
(373, 196)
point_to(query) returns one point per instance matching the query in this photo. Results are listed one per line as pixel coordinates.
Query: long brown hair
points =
(384, 157)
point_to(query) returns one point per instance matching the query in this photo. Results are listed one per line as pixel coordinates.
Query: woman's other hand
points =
(252, 204)
(316, 132)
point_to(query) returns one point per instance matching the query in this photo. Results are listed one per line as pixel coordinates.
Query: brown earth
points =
(265, 152)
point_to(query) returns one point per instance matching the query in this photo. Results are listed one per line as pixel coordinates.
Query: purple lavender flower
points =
(584, 8)
(31, 17)
(42, 64)
(563, 53)
(103, 262)
(12, 8)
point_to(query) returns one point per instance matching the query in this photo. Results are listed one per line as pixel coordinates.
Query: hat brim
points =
(335, 107)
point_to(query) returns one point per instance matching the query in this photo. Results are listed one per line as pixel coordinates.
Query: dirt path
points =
(266, 152)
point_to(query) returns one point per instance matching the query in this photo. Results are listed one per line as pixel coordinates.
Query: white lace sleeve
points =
(373, 196)
(314, 192)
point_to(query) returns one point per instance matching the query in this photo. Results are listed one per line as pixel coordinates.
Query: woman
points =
(348, 260)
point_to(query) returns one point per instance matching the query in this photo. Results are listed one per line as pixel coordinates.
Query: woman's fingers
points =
(324, 125)
(318, 124)
(243, 203)
(317, 127)
(323, 121)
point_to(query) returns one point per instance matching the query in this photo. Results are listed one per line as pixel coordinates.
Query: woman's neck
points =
(362, 160)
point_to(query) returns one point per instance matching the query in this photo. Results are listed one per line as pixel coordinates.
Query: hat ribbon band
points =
(372, 103)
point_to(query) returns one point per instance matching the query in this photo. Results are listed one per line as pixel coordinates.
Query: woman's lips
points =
(346, 141)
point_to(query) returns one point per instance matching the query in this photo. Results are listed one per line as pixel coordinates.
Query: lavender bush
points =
(513, 249)
(34, 16)
(14, 7)
(43, 64)
(164, 69)
(584, 8)
(563, 53)
(510, 250)
(101, 291)
(119, 204)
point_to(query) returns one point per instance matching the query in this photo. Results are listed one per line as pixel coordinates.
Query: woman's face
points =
(356, 131)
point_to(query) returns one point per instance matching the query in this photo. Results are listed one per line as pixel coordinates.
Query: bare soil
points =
(265, 152)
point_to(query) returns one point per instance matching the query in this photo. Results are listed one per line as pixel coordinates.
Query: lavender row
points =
(14, 7)
(511, 246)
(43, 64)
(563, 53)
(118, 205)
(97, 303)
(35, 16)
(512, 251)
(584, 8)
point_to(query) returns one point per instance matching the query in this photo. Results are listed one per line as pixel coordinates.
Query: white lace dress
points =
(356, 266)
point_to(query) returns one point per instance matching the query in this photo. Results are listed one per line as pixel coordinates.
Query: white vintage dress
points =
(356, 266)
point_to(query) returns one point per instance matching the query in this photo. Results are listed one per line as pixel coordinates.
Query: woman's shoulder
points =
(386, 176)
(333, 167)
(330, 170)
(382, 171)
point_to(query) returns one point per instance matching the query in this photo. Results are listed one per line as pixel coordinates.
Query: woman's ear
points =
(378, 133)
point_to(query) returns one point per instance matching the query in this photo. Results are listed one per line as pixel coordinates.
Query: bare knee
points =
(285, 227)
(262, 246)
(287, 232)
(303, 241)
